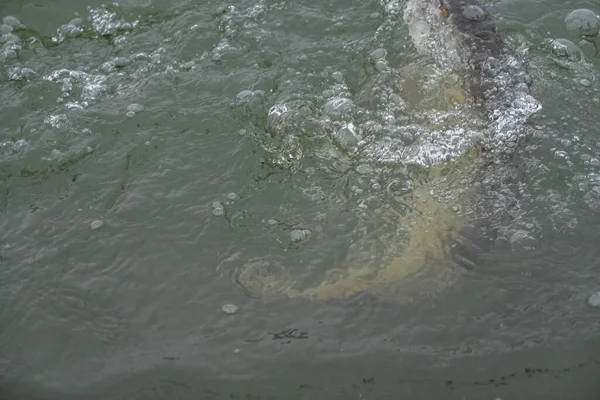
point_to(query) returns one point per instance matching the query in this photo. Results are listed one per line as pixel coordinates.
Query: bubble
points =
(218, 212)
(135, 107)
(298, 235)
(338, 105)
(9, 39)
(272, 222)
(217, 204)
(594, 300)
(67, 31)
(474, 13)
(346, 136)
(337, 76)
(378, 54)
(561, 154)
(518, 236)
(121, 62)
(233, 196)
(583, 22)
(130, 114)
(108, 67)
(585, 82)
(12, 21)
(229, 308)
(57, 121)
(565, 48)
(396, 99)
(96, 224)
(244, 97)
(364, 169)
(10, 54)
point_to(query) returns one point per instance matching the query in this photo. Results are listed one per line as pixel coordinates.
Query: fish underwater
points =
(480, 92)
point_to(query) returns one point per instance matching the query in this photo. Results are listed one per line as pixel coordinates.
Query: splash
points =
(431, 124)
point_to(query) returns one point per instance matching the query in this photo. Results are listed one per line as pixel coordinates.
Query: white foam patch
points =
(89, 86)
(106, 21)
(430, 147)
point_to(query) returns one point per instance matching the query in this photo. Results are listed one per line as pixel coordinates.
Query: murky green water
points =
(120, 132)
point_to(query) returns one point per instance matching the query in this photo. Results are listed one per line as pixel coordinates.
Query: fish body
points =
(466, 94)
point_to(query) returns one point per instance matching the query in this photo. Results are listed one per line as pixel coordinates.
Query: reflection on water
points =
(158, 161)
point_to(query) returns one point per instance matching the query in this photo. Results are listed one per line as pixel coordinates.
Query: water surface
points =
(132, 309)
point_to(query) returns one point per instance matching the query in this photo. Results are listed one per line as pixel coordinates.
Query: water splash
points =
(106, 21)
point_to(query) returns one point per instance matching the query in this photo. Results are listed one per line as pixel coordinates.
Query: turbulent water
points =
(161, 159)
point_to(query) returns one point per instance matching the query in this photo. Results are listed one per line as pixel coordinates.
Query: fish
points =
(465, 64)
